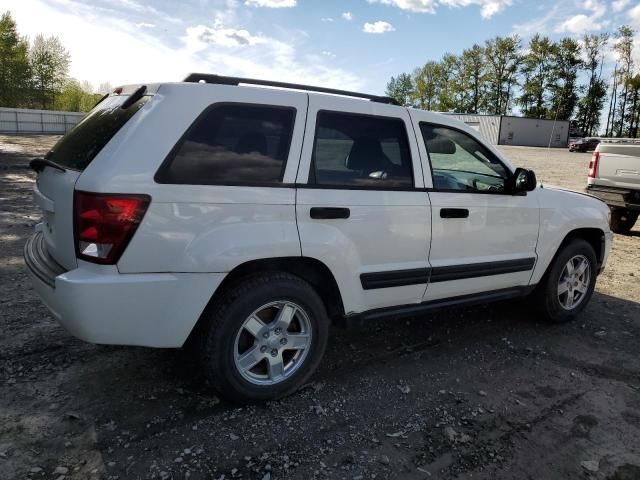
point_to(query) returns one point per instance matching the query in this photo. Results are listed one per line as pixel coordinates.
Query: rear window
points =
(79, 147)
(232, 144)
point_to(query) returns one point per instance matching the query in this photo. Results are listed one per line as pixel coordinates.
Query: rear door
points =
(361, 206)
(619, 165)
(55, 184)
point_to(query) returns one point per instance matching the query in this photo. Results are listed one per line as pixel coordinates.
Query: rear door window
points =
(80, 145)
(232, 144)
(353, 150)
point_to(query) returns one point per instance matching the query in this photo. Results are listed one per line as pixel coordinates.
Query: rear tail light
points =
(104, 224)
(593, 165)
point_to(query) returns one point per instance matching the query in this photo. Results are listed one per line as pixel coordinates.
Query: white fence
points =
(21, 120)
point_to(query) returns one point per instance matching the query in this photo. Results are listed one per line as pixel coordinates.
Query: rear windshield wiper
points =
(38, 164)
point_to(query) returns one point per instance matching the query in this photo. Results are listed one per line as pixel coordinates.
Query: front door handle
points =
(323, 213)
(454, 213)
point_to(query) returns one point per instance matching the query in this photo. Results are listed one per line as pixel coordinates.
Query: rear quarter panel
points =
(197, 228)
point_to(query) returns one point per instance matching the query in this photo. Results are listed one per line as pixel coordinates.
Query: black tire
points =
(622, 221)
(547, 293)
(224, 319)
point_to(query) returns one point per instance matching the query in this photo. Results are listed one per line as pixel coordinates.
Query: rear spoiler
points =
(135, 90)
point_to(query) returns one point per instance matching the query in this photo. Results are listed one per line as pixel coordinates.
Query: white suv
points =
(247, 219)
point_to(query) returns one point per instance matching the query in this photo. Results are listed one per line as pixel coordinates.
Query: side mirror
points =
(524, 180)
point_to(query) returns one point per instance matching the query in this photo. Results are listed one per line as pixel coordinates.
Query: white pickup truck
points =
(614, 177)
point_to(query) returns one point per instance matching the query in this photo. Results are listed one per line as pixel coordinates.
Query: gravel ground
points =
(488, 392)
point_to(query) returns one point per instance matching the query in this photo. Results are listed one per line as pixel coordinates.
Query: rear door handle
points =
(323, 213)
(454, 213)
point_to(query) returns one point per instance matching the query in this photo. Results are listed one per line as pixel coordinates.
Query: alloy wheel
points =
(272, 343)
(574, 282)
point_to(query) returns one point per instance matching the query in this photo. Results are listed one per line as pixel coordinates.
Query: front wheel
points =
(264, 338)
(622, 220)
(569, 284)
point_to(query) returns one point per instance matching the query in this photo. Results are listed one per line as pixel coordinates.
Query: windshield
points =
(80, 145)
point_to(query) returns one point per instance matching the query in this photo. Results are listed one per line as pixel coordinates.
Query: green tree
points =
(49, 65)
(624, 49)
(427, 81)
(633, 87)
(76, 97)
(591, 103)
(14, 64)
(503, 59)
(563, 86)
(400, 88)
(474, 64)
(536, 67)
(448, 86)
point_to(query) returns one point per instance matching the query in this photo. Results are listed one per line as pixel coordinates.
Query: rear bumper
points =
(100, 305)
(616, 197)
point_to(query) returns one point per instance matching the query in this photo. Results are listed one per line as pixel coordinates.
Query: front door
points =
(359, 207)
(483, 237)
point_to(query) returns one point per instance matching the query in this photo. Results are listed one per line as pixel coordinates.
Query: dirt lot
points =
(489, 392)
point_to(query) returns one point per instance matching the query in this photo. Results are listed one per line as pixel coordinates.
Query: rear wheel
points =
(569, 284)
(264, 338)
(622, 220)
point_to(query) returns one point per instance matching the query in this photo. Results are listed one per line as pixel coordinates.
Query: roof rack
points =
(222, 80)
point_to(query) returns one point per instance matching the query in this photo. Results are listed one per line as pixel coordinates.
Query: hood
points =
(573, 193)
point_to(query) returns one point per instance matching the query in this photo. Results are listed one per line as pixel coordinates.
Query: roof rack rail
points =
(222, 80)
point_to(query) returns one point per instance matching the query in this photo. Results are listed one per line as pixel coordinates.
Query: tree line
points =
(35, 74)
(541, 79)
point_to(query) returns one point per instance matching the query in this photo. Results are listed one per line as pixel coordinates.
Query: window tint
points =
(233, 144)
(79, 147)
(458, 162)
(358, 150)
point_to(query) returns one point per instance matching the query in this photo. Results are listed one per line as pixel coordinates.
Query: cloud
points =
(634, 16)
(377, 27)
(326, 19)
(417, 6)
(581, 23)
(200, 36)
(618, 5)
(128, 54)
(576, 24)
(271, 3)
(488, 8)
(347, 16)
(329, 54)
(145, 25)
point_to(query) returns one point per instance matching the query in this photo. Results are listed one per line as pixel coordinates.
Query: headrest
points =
(441, 145)
(366, 154)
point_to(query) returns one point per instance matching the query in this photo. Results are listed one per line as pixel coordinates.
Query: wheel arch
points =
(313, 271)
(592, 235)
